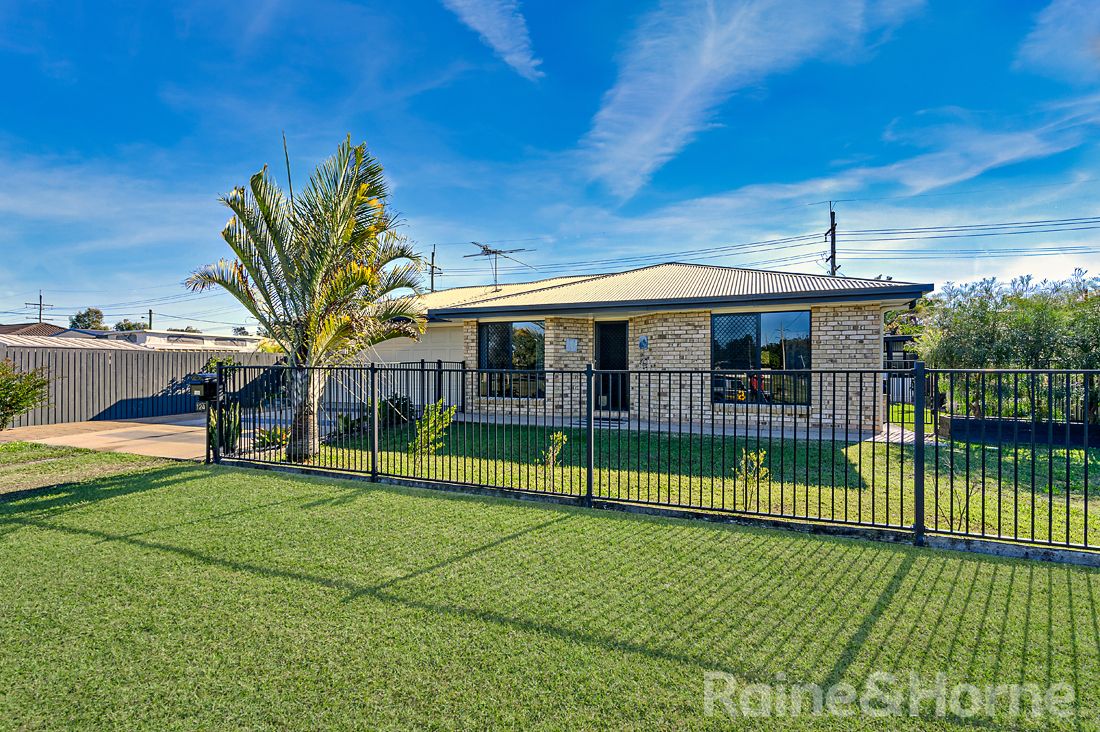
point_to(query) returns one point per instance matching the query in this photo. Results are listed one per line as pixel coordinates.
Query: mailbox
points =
(205, 386)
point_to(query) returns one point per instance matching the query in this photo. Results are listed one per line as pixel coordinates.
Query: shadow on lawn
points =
(748, 602)
(70, 494)
(745, 601)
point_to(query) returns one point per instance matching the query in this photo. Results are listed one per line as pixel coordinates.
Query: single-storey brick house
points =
(667, 317)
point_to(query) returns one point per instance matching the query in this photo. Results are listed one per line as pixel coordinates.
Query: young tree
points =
(240, 331)
(89, 319)
(322, 272)
(20, 391)
(127, 324)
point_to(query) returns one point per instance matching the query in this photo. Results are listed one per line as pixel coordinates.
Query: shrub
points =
(271, 437)
(551, 454)
(394, 410)
(20, 391)
(431, 429)
(752, 466)
(230, 433)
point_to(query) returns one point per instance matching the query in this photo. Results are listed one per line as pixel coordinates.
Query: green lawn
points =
(184, 597)
(968, 487)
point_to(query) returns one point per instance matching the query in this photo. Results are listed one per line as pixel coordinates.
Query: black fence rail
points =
(1004, 455)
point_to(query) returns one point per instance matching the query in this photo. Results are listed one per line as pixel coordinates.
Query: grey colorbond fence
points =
(95, 384)
(958, 455)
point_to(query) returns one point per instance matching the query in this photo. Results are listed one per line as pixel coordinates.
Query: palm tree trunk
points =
(306, 388)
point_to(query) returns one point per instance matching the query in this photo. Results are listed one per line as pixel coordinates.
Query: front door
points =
(612, 389)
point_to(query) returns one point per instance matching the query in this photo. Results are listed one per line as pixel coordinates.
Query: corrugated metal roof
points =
(456, 296)
(674, 282)
(87, 344)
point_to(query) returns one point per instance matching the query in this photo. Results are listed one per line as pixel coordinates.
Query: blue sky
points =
(590, 133)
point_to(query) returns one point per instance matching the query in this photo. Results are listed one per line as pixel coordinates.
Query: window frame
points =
(755, 385)
(495, 382)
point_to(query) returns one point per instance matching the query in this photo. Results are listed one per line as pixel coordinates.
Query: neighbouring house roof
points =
(22, 341)
(30, 329)
(675, 285)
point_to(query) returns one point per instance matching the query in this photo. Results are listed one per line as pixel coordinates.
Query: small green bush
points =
(271, 437)
(551, 454)
(431, 429)
(20, 391)
(394, 410)
(230, 433)
(752, 467)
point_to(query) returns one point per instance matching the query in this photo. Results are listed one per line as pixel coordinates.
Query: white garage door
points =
(440, 342)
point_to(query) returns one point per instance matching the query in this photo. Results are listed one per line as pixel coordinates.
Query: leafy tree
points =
(240, 331)
(127, 324)
(20, 391)
(187, 329)
(1019, 324)
(88, 319)
(322, 272)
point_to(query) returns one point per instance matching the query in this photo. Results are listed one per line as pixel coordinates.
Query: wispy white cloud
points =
(1065, 42)
(503, 28)
(688, 56)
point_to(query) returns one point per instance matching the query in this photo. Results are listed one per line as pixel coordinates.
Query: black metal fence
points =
(1002, 455)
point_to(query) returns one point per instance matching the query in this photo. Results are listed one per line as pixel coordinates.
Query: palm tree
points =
(322, 273)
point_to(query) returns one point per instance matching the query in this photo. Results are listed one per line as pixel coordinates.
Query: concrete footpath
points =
(180, 436)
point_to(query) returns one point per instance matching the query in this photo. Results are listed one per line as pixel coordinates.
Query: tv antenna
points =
(494, 255)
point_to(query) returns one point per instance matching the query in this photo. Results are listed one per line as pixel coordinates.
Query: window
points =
(516, 347)
(750, 342)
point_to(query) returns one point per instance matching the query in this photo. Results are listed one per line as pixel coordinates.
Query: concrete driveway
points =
(180, 436)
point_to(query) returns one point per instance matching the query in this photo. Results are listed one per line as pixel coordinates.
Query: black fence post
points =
(590, 452)
(423, 385)
(463, 387)
(438, 379)
(219, 416)
(374, 426)
(918, 452)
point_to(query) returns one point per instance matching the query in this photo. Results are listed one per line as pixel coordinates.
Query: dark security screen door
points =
(612, 390)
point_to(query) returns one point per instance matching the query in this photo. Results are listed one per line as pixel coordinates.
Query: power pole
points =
(150, 318)
(40, 305)
(832, 241)
(433, 268)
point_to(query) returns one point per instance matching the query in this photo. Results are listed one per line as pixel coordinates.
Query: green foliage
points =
(394, 410)
(240, 331)
(211, 365)
(230, 430)
(126, 324)
(431, 429)
(1021, 324)
(752, 467)
(271, 437)
(20, 391)
(88, 319)
(325, 273)
(186, 329)
(551, 454)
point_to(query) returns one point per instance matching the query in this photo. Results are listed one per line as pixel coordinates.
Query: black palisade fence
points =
(988, 454)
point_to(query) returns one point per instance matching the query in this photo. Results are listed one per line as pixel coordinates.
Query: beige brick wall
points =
(842, 337)
(848, 337)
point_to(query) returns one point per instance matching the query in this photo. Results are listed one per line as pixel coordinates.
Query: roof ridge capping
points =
(777, 272)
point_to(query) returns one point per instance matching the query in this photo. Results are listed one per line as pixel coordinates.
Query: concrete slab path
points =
(180, 436)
